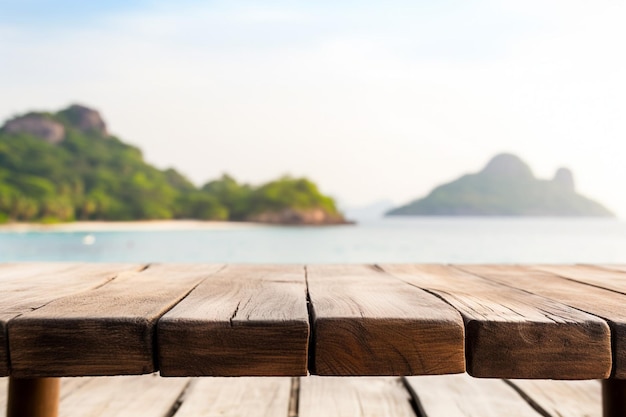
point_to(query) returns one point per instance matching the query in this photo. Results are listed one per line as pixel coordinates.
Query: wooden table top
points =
(496, 321)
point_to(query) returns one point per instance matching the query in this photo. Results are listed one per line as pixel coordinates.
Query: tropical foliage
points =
(89, 176)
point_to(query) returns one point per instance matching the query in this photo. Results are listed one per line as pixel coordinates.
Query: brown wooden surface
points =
(464, 396)
(245, 320)
(122, 396)
(561, 398)
(234, 397)
(607, 304)
(511, 333)
(612, 267)
(614, 280)
(4, 387)
(100, 319)
(369, 323)
(33, 397)
(448, 395)
(27, 287)
(347, 397)
(108, 330)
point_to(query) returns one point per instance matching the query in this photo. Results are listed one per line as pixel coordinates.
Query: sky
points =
(371, 100)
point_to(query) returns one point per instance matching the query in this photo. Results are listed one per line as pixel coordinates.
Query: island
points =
(505, 187)
(66, 166)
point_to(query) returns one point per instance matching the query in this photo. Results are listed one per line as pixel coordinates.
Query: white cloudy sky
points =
(370, 99)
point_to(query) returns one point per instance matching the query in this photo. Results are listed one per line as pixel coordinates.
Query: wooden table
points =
(496, 321)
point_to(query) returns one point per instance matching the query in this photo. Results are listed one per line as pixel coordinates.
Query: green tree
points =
(91, 176)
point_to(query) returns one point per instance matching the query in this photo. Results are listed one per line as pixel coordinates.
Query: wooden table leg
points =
(614, 397)
(33, 397)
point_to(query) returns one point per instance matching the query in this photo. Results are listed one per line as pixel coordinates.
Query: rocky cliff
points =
(50, 128)
(314, 216)
(506, 187)
(38, 125)
(85, 119)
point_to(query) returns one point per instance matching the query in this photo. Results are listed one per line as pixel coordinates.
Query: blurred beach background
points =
(376, 103)
(390, 240)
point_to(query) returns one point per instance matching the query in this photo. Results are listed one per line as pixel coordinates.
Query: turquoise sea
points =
(431, 239)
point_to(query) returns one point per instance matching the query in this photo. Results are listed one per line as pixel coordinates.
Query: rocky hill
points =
(66, 166)
(506, 187)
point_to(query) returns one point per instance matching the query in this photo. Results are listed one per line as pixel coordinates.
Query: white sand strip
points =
(131, 226)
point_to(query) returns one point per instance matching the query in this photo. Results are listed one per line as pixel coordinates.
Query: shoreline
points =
(128, 226)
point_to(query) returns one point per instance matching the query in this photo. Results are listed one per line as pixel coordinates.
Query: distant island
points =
(66, 166)
(505, 187)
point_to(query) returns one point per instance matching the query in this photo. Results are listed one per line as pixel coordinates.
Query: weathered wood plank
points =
(511, 333)
(356, 396)
(591, 275)
(562, 398)
(108, 330)
(244, 321)
(132, 396)
(69, 385)
(612, 267)
(464, 396)
(600, 302)
(27, 287)
(234, 397)
(449, 396)
(369, 323)
(21, 270)
(4, 388)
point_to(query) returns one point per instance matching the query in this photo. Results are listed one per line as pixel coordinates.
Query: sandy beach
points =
(146, 225)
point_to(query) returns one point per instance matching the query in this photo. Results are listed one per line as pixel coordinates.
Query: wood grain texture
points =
(511, 333)
(27, 287)
(562, 398)
(244, 321)
(108, 330)
(369, 323)
(449, 396)
(464, 396)
(603, 303)
(354, 397)
(123, 396)
(234, 397)
(613, 280)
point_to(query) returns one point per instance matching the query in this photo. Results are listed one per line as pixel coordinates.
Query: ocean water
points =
(398, 240)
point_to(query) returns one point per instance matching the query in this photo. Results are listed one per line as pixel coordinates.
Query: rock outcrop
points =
(507, 165)
(85, 119)
(51, 127)
(38, 125)
(315, 216)
(506, 187)
(565, 178)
